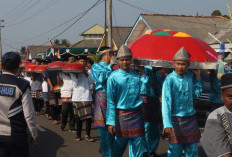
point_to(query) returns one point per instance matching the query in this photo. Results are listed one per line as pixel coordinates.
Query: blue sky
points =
(27, 22)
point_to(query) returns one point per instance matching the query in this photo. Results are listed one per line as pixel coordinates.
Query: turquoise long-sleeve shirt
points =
(154, 78)
(177, 96)
(215, 89)
(100, 73)
(123, 92)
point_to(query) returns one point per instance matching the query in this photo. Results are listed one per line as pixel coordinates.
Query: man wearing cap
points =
(16, 111)
(124, 112)
(180, 124)
(100, 73)
(216, 139)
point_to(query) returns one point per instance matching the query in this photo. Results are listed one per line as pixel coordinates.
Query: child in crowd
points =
(36, 92)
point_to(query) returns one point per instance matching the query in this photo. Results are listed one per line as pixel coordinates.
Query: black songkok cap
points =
(226, 81)
(11, 61)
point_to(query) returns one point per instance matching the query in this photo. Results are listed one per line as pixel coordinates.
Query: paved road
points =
(56, 143)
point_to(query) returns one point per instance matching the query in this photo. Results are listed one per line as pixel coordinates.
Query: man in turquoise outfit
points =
(215, 84)
(151, 92)
(215, 93)
(100, 73)
(124, 113)
(180, 124)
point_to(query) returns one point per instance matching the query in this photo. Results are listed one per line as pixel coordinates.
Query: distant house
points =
(199, 26)
(223, 35)
(35, 51)
(94, 37)
(91, 39)
(119, 36)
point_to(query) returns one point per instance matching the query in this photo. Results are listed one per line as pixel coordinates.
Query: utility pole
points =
(110, 23)
(1, 39)
(105, 22)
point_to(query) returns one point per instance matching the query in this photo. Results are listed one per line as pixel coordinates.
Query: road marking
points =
(40, 128)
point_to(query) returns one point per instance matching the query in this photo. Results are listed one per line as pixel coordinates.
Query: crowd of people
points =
(133, 105)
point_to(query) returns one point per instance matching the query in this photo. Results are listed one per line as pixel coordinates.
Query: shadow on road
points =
(48, 144)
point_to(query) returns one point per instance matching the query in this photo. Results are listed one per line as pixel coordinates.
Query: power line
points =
(9, 45)
(24, 11)
(47, 6)
(18, 10)
(146, 10)
(54, 28)
(120, 37)
(95, 4)
(15, 8)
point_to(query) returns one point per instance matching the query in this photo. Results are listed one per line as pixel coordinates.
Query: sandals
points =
(78, 139)
(89, 139)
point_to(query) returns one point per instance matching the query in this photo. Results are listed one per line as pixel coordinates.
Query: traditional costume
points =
(82, 102)
(100, 73)
(178, 111)
(151, 109)
(216, 139)
(215, 93)
(124, 109)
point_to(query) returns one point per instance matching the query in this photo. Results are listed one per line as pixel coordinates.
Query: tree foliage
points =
(216, 13)
(65, 42)
(23, 50)
(226, 16)
(57, 42)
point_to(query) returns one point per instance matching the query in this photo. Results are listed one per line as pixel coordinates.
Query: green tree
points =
(57, 42)
(216, 13)
(226, 16)
(65, 42)
(23, 50)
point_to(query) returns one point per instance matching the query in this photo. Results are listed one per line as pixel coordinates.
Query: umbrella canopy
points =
(159, 47)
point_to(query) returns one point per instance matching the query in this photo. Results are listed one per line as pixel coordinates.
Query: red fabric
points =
(161, 47)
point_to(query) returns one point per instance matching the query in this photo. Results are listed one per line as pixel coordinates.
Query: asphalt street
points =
(52, 142)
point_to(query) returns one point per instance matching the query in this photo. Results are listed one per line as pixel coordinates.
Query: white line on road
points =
(40, 128)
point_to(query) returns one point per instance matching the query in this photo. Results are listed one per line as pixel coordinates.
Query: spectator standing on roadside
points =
(16, 111)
